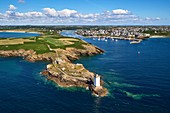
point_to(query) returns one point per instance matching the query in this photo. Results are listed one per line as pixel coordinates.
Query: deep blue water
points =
(16, 34)
(138, 83)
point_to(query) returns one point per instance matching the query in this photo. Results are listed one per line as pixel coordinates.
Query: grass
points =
(41, 42)
(39, 47)
(54, 41)
(77, 44)
(14, 41)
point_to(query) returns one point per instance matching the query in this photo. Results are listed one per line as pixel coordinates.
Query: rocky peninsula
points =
(60, 52)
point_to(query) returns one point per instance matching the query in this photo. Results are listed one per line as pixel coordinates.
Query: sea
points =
(136, 75)
(17, 34)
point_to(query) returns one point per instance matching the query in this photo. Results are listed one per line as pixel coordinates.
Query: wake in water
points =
(138, 96)
(120, 87)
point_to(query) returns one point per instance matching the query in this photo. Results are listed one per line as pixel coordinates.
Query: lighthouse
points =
(97, 80)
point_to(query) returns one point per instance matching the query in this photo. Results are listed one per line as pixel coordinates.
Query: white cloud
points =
(21, 1)
(19, 14)
(67, 16)
(12, 7)
(62, 13)
(50, 11)
(157, 18)
(120, 11)
(33, 14)
(147, 18)
(66, 12)
(152, 19)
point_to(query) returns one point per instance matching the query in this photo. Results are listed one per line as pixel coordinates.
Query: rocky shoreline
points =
(61, 70)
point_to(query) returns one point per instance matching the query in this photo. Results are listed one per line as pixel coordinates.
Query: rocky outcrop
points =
(29, 55)
(66, 74)
(62, 71)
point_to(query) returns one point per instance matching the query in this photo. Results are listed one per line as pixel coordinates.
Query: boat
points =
(135, 42)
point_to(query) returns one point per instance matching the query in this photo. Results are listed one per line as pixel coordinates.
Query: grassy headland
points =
(60, 51)
(40, 43)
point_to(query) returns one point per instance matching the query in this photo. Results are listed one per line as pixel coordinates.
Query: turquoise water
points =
(16, 34)
(137, 82)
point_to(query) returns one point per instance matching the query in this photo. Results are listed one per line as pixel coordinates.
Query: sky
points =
(84, 12)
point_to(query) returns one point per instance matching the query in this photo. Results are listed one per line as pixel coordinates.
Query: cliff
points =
(61, 70)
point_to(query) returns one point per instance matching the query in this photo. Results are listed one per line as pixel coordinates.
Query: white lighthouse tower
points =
(97, 80)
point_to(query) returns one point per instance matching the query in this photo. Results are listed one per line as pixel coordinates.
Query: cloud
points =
(33, 14)
(67, 13)
(12, 7)
(152, 19)
(21, 1)
(120, 11)
(62, 13)
(157, 18)
(50, 12)
(68, 16)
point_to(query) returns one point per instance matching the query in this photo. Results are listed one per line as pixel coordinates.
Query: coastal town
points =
(125, 32)
(101, 31)
(136, 34)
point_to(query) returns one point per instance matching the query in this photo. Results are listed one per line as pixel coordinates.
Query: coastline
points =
(103, 37)
(158, 36)
(20, 31)
(60, 71)
(155, 36)
(116, 37)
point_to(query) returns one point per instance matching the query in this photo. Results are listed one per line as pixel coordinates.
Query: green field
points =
(40, 43)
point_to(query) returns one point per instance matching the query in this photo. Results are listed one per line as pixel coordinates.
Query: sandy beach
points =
(160, 36)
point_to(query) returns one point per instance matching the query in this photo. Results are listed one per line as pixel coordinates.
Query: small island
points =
(60, 51)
